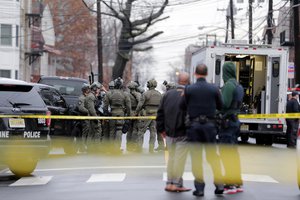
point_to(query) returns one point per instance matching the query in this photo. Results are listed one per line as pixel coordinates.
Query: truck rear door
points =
(273, 77)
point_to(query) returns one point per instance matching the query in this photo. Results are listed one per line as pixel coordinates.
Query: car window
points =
(65, 86)
(19, 95)
(52, 98)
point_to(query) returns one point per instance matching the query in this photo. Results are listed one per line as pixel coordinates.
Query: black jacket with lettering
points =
(201, 98)
(170, 118)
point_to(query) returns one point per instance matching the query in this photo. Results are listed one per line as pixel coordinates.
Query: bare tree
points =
(133, 28)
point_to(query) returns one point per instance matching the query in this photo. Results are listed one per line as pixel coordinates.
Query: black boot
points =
(219, 189)
(199, 192)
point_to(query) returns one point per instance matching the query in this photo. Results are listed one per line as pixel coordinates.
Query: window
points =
(218, 67)
(5, 73)
(6, 34)
(275, 69)
(17, 35)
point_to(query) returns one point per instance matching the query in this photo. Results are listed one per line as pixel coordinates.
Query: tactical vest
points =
(154, 98)
(133, 100)
(117, 99)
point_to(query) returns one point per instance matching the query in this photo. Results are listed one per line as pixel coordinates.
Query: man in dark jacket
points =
(201, 101)
(292, 106)
(170, 124)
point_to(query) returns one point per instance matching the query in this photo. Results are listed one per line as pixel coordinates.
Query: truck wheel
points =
(22, 167)
(244, 138)
(259, 140)
(268, 140)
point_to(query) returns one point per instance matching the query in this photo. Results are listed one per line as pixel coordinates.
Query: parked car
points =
(69, 87)
(23, 141)
(64, 133)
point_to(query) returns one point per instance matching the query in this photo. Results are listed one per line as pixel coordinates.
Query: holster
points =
(202, 119)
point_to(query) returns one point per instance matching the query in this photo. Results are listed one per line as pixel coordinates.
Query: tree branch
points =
(115, 13)
(88, 7)
(143, 40)
(151, 17)
(142, 49)
(161, 19)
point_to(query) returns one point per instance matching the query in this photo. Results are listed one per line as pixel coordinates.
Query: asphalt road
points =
(268, 173)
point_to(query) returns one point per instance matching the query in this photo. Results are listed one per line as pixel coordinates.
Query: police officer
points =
(119, 102)
(150, 100)
(232, 94)
(134, 140)
(169, 85)
(83, 111)
(292, 106)
(105, 123)
(201, 100)
(95, 132)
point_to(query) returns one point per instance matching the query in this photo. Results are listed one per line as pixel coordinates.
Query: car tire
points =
(22, 167)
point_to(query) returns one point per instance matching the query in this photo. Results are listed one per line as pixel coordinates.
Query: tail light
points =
(48, 120)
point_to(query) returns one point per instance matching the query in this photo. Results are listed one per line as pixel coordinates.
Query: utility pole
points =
(227, 28)
(250, 21)
(99, 42)
(270, 22)
(231, 19)
(296, 39)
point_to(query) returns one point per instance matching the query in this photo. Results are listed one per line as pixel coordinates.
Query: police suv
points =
(23, 141)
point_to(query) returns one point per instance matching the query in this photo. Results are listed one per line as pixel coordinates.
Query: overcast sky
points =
(181, 29)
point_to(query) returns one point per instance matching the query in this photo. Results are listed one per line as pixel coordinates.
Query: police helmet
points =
(170, 86)
(152, 83)
(118, 83)
(132, 85)
(95, 86)
(85, 87)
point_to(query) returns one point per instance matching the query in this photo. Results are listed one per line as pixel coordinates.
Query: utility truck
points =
(262, 71)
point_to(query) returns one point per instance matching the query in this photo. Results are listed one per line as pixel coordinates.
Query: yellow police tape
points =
(75, 117)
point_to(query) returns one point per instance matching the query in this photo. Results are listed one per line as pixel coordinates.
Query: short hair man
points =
(201, 100)
(170, 123)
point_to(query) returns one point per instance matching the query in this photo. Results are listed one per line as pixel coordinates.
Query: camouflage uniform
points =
(83, 111)
(119, 103)
(150, 100)
(105, 123)
(90, 104)
(134, 139)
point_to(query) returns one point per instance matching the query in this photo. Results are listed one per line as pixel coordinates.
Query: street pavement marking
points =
(258, 178)
(117, 177)
(29, 181)
(106, 167)
(187, 176)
